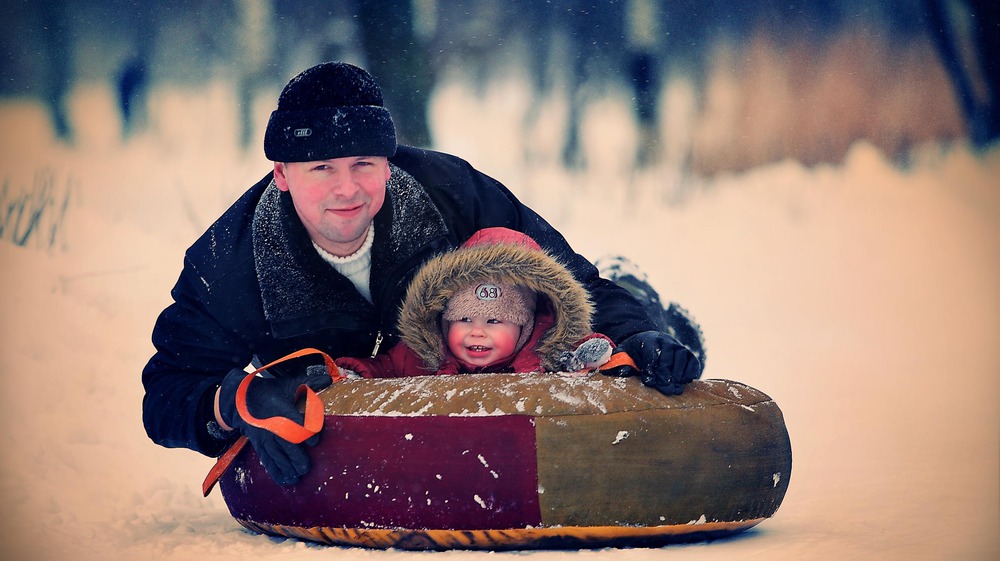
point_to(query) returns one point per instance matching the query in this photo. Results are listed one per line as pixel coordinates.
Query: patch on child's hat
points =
(487, 292)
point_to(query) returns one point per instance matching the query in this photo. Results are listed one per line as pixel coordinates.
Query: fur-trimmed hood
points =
(499, 255)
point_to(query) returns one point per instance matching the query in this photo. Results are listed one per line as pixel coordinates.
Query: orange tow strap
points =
(618, 359)
(281, 426)
(222, 464)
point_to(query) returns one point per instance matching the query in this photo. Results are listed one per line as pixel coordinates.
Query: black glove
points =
(284, 461)
(663, 363)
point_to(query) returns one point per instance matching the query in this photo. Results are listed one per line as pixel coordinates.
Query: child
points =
(498, 303)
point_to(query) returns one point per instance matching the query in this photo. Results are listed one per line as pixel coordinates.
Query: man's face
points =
(336, 199)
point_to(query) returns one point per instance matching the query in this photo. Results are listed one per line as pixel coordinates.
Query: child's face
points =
(480, 340)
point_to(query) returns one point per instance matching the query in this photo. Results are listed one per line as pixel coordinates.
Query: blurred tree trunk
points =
(967, 34)
(254, 19)
(398, 60)
(58, 50)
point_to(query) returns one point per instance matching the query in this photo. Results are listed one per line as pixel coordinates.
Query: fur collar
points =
(442, 276)
(301, 292)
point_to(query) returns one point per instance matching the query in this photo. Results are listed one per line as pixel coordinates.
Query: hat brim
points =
(329, 132)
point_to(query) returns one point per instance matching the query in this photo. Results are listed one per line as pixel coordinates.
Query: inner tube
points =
(525, 461)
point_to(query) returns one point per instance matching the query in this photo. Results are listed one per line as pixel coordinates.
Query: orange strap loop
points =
(617, 360)
(280, 426)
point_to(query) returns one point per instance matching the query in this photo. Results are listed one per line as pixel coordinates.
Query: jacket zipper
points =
(428, 249)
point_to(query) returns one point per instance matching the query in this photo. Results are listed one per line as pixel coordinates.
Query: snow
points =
(862, 297)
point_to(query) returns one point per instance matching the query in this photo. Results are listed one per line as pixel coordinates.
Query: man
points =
(319, 254)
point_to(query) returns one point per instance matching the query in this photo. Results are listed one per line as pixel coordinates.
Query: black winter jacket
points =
(253, 288)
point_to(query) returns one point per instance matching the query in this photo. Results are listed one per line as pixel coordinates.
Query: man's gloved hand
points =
(663, 363)
(284, 461)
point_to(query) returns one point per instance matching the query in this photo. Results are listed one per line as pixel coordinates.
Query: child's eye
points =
(494, 320)
(465, 320)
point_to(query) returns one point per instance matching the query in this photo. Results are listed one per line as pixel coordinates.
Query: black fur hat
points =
(331, 110)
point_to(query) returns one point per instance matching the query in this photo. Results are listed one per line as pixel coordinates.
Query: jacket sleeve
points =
(378, 367)
(193, 354)
(471, 200)
(398, 362)
(616, 313)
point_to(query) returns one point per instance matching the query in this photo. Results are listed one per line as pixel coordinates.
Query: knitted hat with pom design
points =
(513, 304)
(332, 110)
(504, 302)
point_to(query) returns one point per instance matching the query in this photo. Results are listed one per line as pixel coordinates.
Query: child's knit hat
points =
(494, 299)
(501, 301)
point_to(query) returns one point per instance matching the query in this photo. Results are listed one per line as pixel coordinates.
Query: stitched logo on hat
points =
(488, 292)
(300, 133)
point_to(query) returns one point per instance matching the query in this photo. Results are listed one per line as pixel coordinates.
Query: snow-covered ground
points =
(863, 297)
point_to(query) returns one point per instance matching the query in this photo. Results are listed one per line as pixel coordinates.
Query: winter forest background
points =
(815, 181)
(787, 79)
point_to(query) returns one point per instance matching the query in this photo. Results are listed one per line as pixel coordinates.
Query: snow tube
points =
(512, 461)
